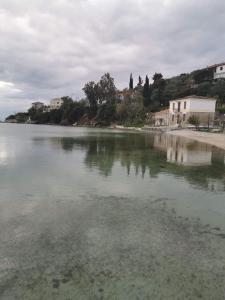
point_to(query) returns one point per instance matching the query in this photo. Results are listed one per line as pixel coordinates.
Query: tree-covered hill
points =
(104, 104)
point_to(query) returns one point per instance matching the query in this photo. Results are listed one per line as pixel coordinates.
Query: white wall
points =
(202, 105)
(56, 103)
(219, 73)
(194, 105)
(182, 109)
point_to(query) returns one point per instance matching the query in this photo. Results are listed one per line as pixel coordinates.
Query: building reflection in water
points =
(184, 151)
(198, 163)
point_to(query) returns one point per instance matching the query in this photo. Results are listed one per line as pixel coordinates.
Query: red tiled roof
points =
(163, 111)
(215, 66)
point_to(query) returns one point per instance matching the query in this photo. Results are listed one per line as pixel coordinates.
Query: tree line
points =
(104, 104)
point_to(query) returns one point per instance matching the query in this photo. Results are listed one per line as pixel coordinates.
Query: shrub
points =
(194, 120)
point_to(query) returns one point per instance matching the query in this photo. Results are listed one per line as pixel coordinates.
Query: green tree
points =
(67, 109)
(131, 83)
(91, 91)
(10, 117)
(146, 88)
(219, 90)
(146, 92)
(106, 89)
(131, 112)
(204, 89)
(157, 77)
(158, 91)
(200, 76)
(106, 113)
(140, 81)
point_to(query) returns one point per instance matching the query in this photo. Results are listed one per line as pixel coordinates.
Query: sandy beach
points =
(214, 139)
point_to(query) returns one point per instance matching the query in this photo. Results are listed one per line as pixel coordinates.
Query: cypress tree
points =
(140, 81)
(146, 88)
(146, 92)
(131, 84)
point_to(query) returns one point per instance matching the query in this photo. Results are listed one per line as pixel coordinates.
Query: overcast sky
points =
(51, 48)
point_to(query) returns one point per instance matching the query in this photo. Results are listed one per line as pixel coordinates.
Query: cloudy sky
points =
(51, 48)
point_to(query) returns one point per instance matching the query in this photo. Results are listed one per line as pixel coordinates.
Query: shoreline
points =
(213, 139)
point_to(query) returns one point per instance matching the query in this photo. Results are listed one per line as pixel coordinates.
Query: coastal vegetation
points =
(104, 104)
(20, 117)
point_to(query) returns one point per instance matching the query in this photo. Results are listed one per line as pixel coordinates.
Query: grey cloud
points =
(51, 48)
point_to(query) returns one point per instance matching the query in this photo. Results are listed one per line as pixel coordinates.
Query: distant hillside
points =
(198, 82)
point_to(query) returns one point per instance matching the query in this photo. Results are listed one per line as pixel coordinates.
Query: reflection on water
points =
(201, 164)
(5, 152)
(183, 151)
(100, 214)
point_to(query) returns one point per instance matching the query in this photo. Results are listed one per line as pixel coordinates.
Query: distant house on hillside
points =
(38, 105)
(56, 103)
(120, 95)
(124, 94)
(218, 70)
(210, 73)
(46, 108)
(202, 107)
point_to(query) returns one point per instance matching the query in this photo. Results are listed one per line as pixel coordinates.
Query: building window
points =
(173, 118)
(185, 105)
(221, 68)
(178, 106)
(173, 106)
(184, 117)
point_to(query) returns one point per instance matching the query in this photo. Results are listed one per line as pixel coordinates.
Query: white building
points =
(202, 107)
(218, 71)
(56, 103)
(46, 108)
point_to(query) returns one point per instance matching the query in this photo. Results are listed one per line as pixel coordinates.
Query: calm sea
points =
(106, 214)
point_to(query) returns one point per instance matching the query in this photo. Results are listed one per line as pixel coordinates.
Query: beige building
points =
(202, 107)
(161, 118)
(56, 103)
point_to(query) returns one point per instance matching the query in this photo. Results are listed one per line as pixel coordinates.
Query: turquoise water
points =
(106, 214)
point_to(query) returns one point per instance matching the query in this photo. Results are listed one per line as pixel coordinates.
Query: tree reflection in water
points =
(200, 164)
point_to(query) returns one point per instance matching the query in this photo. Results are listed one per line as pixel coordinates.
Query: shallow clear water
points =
(105, 214)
